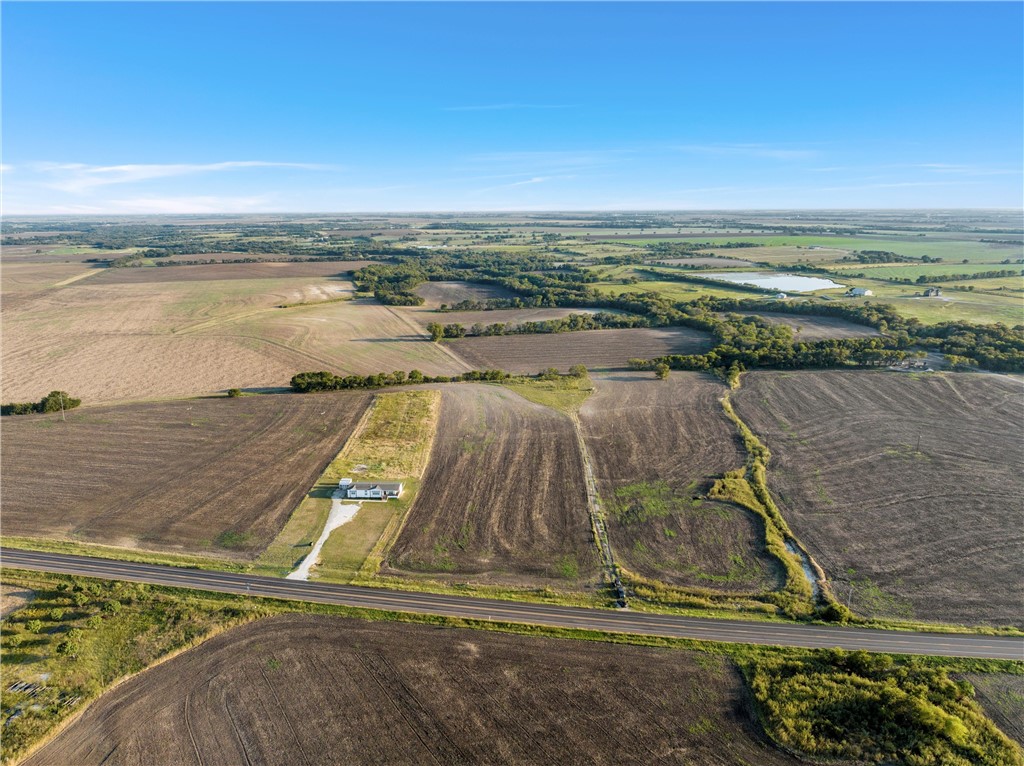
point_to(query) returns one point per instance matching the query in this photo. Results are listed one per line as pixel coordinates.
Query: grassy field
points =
(950, 250)
(596, 349)
(904, 487)
(503, 500)
(809, 328)
(216, 477)
(657, 447)
(913, 271)
(394, 445)
(416, 694)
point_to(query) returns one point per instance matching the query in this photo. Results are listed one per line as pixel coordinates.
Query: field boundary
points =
(597, 517)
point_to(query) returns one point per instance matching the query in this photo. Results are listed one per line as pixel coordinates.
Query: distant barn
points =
(856, 292)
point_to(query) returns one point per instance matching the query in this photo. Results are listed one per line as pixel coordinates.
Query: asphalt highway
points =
(619, 621)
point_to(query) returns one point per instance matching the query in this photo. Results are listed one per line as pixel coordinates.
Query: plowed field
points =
(503, 498)
(906, 486)
(215, 476)
(321, 690)
(597, 349)
(657, 446)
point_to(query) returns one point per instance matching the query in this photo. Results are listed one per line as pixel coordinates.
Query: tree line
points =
(602, 320)
(55, 401)
(308, 382)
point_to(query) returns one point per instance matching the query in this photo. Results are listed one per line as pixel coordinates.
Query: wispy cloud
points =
(536, 163)
(505, 107)
(764, 151)
(186, 205)
(78, 177)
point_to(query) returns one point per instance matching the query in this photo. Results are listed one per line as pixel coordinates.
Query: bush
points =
(55, 401)
(234, 393)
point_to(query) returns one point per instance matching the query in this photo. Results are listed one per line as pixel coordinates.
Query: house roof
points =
(386, 486)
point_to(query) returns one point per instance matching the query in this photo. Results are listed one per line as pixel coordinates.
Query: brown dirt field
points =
(597, 349)
(933, 534)
(174, 475)
(503, 498)
(1001, 696)
(808, 328)
(436, 293)
(641, 431)
(330, 690)
(217, 271)
(424, 315)
(116, 342)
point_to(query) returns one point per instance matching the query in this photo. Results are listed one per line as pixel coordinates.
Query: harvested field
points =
(216, 476)
(438, 293)
(809, 328)
(330, 690)
(219, 271)
(656, 447)
(503, 498)
(908, 485)
(724, 263)
(424, 316)
(597, 349)
(13, 598)
(1001, 696)
(115, 342)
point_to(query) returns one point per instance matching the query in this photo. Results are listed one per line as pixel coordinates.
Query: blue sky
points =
(251, 107)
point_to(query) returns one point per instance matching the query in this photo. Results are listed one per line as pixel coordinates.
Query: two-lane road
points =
(624, 621)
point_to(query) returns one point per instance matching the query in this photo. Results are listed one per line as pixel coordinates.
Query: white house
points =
(368, 490)
(856, 292)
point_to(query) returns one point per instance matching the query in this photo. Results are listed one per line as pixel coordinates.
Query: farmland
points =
(503, 499)
(597, 349)
(446, 293)
(336, 690)
(212, 476)
(904, 487)
(657, 446)
(807, 327)
(392, 445)
(106, 339)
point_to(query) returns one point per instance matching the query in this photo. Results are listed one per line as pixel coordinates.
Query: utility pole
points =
(919, 443)
(61, 395)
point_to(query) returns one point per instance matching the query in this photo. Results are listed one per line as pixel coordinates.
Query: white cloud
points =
(77, 178)
(765, 151)
(187, 205)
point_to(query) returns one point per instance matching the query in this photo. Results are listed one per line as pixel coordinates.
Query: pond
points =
(790, 283)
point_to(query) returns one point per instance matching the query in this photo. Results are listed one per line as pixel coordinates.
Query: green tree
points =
(436, 331)
(578, 371)
(661, 371)
(55, 401)
(234, 392)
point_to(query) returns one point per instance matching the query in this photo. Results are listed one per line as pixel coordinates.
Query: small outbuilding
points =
(370, 490)
(933, 292)
(857, 292)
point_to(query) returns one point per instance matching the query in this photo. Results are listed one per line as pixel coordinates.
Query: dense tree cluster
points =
(602, 320)
(305, 382)
(55, 401)
(869, 708)
(994, 274)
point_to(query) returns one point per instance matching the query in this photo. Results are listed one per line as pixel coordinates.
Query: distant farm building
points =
(933, 292)
(368, 490)
(856, 292)
(781, 296)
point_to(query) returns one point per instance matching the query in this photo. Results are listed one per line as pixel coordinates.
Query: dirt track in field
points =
(597, 349)
(641, 431)
(503, 498)
(172, 476)
(327, 690)
(931, 531)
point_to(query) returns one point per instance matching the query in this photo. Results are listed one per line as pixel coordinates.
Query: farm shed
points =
(856, 292)
(366, 490)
